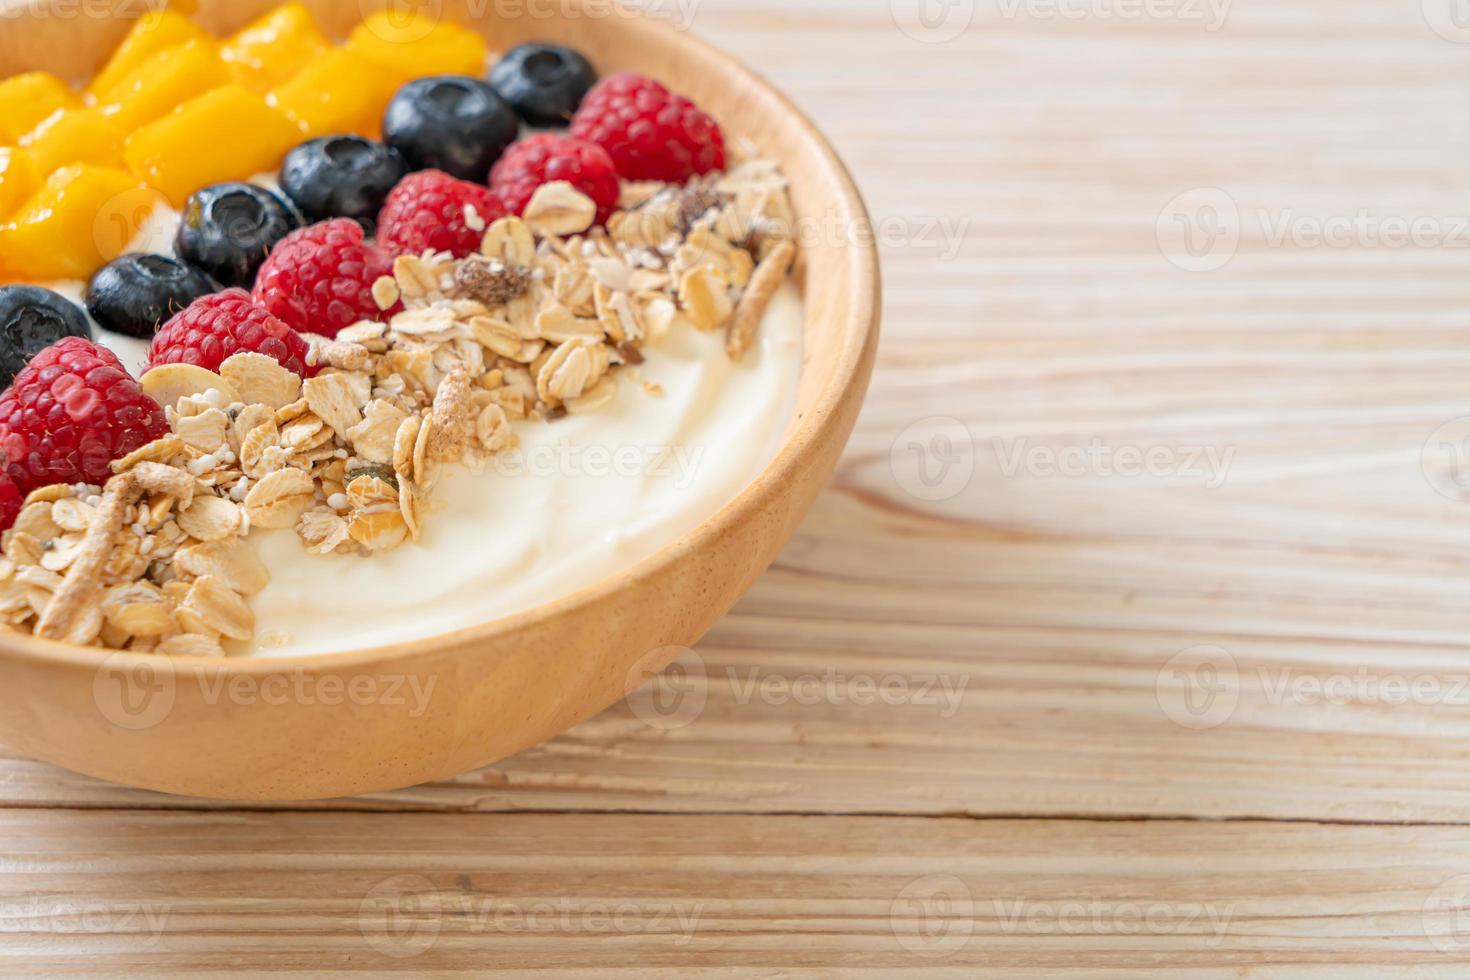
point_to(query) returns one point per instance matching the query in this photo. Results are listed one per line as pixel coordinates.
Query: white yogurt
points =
(579, 500)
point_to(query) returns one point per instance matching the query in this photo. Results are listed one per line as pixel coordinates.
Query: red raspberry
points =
(320, 279)
(650, 133)
(214, 327)
(427, 210)
(68, 414)
(538, 160)
(10, 501)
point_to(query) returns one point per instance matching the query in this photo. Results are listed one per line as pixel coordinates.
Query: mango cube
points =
(337, 93)
(74, 136)
(227, 134)
(412, 45)
(163, 82)
(82, 218)
(277, 46)
(18, 179)
(152, 33)
(27, 100)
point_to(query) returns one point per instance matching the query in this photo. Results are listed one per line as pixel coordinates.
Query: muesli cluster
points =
(545, 319)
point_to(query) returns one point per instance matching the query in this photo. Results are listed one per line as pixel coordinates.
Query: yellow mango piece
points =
(79, 220)
(411, 45)
(337, 93)
(163, 82)
(152, 33)
(18, 179)
(74, 136)
(27, 100)
(274, 48)
(226, 134)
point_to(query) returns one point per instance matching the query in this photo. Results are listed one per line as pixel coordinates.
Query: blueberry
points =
(342, 177)
(135, 293)
(32, 319)
(545, 83)
(227, 230)
(452, 123)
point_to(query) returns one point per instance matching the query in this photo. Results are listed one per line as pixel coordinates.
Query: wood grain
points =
(644, 896)
(1058, 602)
(1055, 321)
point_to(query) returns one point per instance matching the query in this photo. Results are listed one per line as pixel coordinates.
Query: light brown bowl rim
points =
(857, 346)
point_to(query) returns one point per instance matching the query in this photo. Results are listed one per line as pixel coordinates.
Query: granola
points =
(539, 324)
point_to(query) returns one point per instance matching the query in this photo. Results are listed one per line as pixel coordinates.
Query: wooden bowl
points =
(346, 723)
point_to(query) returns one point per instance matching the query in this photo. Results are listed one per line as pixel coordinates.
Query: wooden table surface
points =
(1129, 641)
